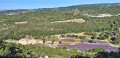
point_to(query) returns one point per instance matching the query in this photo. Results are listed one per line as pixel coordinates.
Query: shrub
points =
(43, 40)
(62, 35)
(37, 37)
(91, 50)
(101, 38)
(53, 41)
(94, 36)
(64, 47)
(60, 42)
(98, 49)
(113, 38)
(82, 37)
(91, 41)
(72, 36)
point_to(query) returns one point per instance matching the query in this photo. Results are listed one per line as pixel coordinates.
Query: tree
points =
(53, 41)
(101, 38)
(91, 41)
(98, 50)
(82, 37)
(94, 36)
(60, 42)
(43, 40)
(1, 40)
(64, 47)
(91, 50)
(62, 35)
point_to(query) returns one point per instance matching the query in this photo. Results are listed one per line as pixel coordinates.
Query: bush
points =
(101, 38)
(82, 37)
(43, 40)
(37, 37)
(60, 42)
(98, 49)
(113, 38)
(72, 36)
(91, 50)
(62, 35)
(64, 47)
(91, 41)
(53, 41)
(94, 36)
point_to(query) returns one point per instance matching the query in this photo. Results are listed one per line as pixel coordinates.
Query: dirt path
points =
(111, 44)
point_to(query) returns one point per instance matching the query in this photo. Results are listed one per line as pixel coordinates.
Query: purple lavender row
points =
(82, 46)
(97, 41)
(68, 40)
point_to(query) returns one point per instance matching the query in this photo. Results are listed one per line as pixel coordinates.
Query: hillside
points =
(40, 20)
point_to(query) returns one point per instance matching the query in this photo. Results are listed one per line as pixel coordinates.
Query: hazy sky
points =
(32, 4)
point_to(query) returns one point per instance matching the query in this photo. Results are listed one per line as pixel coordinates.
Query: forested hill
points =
(40, 22)
(7, 12)
(94, 5)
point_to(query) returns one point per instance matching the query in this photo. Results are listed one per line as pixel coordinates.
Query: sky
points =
(34, 4)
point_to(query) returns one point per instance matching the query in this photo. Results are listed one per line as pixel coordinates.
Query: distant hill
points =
(94, 5)
(12, 12)
(85, 5)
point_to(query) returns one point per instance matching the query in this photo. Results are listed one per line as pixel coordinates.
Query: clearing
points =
(74, 20)
(21, 22)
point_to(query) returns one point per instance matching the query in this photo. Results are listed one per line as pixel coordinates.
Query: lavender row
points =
(68, 40)
(82, 46)
(97, 41)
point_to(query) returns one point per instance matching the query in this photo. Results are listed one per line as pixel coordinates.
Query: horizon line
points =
(56, 7)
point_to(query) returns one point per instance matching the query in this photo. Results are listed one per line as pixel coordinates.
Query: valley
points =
(80, 31)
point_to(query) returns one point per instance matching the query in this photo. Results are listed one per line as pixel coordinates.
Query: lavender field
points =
(68, 40)
(97, 41)
(82, 46)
